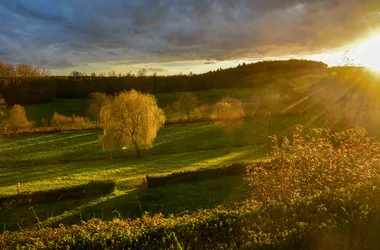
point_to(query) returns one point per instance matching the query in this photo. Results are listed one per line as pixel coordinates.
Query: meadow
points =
(56, 160)
(52, 161)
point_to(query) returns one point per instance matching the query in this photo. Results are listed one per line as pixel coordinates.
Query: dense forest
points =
(26, 89)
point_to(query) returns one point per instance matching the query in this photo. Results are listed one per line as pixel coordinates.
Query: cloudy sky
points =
(171, 36)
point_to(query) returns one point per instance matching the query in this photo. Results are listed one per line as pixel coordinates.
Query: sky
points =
(179, 36)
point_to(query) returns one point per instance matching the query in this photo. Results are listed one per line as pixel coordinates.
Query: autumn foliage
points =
(63, 122)
(307, 165)
(131, 120)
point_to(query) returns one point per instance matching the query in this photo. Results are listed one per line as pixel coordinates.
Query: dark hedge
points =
(93, 188)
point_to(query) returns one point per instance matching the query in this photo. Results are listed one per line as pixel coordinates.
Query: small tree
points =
(3, 106)
(131, 119)
(77, 74)
(254, 120)
(98, 100)
(228, 114)
(187, 103)
(17, 119)
(142, 72)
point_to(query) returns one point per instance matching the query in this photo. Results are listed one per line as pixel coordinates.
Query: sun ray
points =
(367, 53)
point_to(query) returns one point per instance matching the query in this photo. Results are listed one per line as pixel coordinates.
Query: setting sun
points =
(367, 53)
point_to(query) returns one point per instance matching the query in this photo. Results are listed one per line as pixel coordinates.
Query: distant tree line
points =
(35, 86)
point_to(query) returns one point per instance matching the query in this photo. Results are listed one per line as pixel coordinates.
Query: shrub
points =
(200, 174)
(307, 165)
(93, 188)
(67, 123)
(17, 119)
(203, 112)
(340, 219)
(60, 121)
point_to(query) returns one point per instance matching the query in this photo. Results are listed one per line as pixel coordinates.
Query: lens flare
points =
(367, 53)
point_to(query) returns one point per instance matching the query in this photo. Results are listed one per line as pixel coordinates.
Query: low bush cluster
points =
(343, 219)
(324, 161)
(67, 123)
(200, 174)
(93, 188)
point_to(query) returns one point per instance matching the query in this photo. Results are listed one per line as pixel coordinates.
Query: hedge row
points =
(200, 174)
(93, 188)
(197, 175)
(340, 219)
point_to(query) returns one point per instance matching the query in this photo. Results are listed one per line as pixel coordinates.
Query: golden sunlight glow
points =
(367, 53)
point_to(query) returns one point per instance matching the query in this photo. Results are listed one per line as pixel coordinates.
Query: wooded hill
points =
(25, 90)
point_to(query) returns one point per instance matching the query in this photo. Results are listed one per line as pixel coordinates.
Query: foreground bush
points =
(310, 164)
(341, 219)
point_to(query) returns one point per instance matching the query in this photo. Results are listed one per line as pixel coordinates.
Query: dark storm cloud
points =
(56, 34)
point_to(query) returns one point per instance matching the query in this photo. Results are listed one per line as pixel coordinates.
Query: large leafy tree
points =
(131, 120)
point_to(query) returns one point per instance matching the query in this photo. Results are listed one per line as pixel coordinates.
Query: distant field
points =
(69, 107)
(212, 96)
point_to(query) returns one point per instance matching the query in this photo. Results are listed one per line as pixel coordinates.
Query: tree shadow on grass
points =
(23, 217)
(171, 199)
(67, 174)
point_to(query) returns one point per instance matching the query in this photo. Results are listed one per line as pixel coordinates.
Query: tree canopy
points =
(131, 119)
(187, 103)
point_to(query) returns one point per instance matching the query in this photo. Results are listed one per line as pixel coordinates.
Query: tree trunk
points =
(138, 153)
(228, 142)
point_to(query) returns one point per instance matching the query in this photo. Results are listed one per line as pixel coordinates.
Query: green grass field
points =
(50, 161)
(172, 139)
(77, 156)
